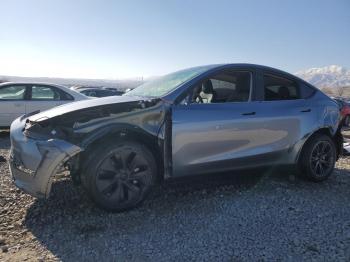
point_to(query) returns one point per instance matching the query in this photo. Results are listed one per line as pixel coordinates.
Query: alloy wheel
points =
(123, 176)
(322, 158)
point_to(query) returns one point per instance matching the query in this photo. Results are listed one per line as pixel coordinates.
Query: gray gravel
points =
(261, 215)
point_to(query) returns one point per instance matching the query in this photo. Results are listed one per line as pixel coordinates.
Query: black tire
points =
(119, 176)
(318, 158)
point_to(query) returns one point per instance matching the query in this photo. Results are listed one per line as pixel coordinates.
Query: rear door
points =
(12, 103)
(286, 114)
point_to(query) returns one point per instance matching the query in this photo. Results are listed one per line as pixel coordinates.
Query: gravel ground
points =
(262, 215)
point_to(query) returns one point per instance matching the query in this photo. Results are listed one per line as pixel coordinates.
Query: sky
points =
(123, 39)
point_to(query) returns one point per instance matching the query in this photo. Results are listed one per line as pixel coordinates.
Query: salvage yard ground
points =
(259, 215)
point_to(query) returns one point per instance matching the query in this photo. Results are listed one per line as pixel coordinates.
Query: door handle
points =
(248, 114)
(306, 110)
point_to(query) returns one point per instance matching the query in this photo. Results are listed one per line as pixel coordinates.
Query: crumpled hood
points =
(82, 105)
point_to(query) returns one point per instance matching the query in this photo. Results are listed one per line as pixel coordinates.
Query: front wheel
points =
(318, 158)
(119, 176)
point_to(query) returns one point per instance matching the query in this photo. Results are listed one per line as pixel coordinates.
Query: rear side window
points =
(44, 93)
(279, 88)
(65, 96)
(307, 91)
(15, 92)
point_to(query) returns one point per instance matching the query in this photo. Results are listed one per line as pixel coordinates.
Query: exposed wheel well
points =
(151, 142)
(322, 131)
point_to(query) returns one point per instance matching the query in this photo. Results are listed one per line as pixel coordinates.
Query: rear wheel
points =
(318, 158)
(119, 176)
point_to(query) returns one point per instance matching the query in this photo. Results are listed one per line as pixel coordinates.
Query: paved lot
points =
(260, 215)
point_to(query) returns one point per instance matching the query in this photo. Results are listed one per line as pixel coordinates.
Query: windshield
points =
(163, 85)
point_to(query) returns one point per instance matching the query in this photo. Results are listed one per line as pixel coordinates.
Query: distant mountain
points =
(332, 76)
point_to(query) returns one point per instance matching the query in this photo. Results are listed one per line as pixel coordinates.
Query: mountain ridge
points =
(332, 76)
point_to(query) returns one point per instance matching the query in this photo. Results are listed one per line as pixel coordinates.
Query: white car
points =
(17, 99)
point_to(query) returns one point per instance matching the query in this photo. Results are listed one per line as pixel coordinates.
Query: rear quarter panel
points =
(325, 115)
(328, 112)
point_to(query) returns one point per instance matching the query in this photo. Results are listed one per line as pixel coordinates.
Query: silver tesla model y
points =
(199, 120)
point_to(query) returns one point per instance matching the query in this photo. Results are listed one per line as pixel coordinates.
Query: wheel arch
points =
(115, 133)
(335, 136)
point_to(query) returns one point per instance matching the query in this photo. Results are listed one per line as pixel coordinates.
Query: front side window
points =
(44, 93)
(224, 87)
(279, 88)
(15, 92)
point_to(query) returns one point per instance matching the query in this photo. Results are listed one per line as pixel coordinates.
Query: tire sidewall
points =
(307, 170)
(94, 162)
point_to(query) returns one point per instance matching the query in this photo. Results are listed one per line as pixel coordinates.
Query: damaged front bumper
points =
(34, 162)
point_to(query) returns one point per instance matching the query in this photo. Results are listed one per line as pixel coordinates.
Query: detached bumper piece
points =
(33, 163)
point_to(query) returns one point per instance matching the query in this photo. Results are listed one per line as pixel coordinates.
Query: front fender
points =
(120, 130)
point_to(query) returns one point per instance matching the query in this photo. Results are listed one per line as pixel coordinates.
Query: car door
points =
(12, 103)
(285, 111)
(220, 135)
(43, 97)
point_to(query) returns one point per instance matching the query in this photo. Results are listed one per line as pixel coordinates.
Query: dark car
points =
(199, 120)
(99, 92)
(344, 111)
